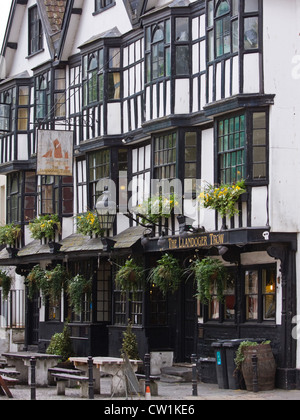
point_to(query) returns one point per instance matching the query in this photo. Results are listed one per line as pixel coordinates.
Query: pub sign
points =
(55, 153)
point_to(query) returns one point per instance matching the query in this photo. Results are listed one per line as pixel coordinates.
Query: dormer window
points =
(35, 32)
(103, 4)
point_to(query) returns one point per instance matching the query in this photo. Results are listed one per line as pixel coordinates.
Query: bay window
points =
(158, 51)
(240, 159)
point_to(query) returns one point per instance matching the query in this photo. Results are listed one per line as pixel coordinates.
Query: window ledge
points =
(237, 102)
(35, 53)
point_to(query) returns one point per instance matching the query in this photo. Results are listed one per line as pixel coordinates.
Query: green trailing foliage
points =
(167, 275)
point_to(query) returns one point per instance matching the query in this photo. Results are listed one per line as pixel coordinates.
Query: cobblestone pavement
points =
(169, 392)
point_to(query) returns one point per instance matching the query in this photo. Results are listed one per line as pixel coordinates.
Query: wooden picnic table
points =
(21, 361)
(112, 366)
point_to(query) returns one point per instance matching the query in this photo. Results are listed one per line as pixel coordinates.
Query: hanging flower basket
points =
(45, 227)
(157, 207)
(49, 282)
(88, 224)
(166, 276)
(129, 277)
(222, 198)
(5, 284)
(78, 286)
(9, 236)
(208, 273)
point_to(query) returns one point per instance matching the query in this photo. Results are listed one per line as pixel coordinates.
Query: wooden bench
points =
(4, 383)
(62, 370)
(62, 379)
(153, 383)
(9, 372)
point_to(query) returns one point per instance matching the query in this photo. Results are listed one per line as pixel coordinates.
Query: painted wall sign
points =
(55, 153)
(206, 240)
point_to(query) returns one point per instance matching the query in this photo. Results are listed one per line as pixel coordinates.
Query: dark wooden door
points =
(33, 320)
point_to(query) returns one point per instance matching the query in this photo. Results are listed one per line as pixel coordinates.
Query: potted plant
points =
(157, 207)
(45, 227)
(5, 284)
(209, 273)
(78, 286)
(223, 198)
(88, 224)
(266, 366)
(166, 275)
(130, 344)
(129, 276)
(61, 345)
(9, 235)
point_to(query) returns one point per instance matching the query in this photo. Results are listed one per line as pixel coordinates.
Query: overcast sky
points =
(4, 12)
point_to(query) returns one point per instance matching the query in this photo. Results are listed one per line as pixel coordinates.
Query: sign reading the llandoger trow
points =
(201, 241)
(55, 153)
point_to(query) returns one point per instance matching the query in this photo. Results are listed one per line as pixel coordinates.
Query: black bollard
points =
(195, 375)
(147, 370)
(91, 378)
(33, 378)
(255, 373)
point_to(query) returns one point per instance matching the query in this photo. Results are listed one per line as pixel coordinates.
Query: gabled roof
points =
(52, 14)
(134, 9)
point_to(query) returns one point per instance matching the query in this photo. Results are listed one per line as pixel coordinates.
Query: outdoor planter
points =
(266, 365)
(9, 236)
(45, 228)
(223, 198)
(88, 225)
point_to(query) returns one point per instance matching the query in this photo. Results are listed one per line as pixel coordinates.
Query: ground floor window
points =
(260, 294)
(252, 289)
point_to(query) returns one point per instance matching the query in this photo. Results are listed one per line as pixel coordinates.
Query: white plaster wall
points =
(90, 25)
(2, 200)
(284, 115)
(207, 217)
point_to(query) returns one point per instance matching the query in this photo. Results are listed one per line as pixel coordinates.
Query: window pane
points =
(229, 294)
(114, 58)
(182, 60)
(235, 36)
(182, 29)
(251, 33)
(210, 14)
(223, 8)
(269, 294)
(251, 6)
(259, 120)
(114, 86)
(259, 171)
(251, 292)
(251, 282)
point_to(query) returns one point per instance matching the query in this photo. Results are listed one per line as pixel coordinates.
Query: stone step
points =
(180, 373)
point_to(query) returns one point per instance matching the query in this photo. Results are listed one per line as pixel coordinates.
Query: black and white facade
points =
(156, 89)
